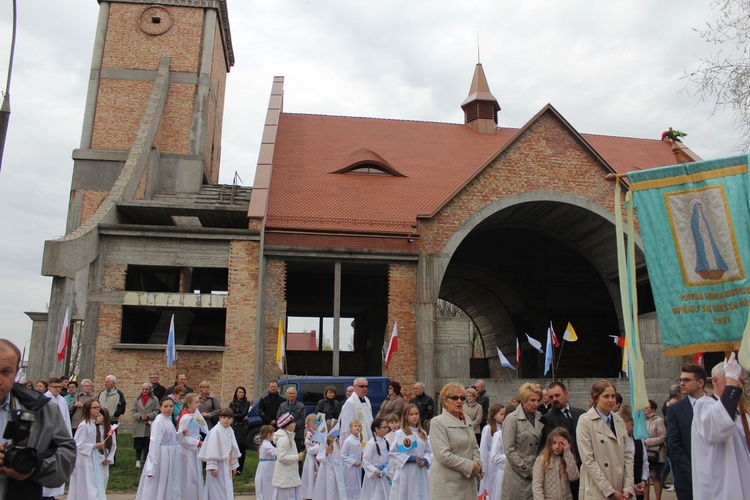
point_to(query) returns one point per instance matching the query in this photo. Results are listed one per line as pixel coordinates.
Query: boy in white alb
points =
(221, 454)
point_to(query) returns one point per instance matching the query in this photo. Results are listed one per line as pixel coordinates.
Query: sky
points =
(609, 68)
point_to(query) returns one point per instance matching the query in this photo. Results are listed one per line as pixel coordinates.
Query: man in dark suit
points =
(679, 419)
(561, 414)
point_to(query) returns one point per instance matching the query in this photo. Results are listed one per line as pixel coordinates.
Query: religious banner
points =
(695, 223)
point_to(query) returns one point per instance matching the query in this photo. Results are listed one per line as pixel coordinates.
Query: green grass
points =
(124, 477)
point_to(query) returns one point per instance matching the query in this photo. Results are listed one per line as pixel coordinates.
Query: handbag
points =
(653, 457)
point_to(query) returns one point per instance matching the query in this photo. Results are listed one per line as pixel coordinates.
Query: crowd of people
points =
(536, 447)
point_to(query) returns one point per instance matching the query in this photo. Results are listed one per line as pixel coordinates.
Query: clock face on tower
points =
(155, 21)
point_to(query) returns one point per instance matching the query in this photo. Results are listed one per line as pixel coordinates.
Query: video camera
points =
(18, 456)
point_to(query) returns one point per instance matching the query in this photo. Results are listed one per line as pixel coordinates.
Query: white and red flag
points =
(518, 353)
(619, 341)
(62, 345)
(392, 344)
(555, 342)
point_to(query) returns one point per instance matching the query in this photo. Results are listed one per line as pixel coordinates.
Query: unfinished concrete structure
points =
(354, 223)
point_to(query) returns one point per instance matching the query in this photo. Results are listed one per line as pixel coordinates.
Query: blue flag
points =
(171, 350)
(548, 353)
(503, 360)
(694, 222)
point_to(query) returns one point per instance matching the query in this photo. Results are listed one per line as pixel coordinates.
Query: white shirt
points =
(721, 460)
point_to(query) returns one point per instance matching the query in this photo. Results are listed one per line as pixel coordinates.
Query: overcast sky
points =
(609, 68)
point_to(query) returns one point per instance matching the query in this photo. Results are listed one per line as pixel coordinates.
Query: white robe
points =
(485, 449)
(189, 465)
(320, 490)
(103, 455)
(721, 460)
(311, 466)
(351, 453)
(221, 453)
(65, 412)
(160, 478)
(374, 487)
(410, 482)
(86, 481)
(264, 472)
(349, 413)
(497, 464)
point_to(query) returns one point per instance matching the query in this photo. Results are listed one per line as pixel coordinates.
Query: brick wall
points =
(91, 201)
(402, 295)
(275, 308)
(242, 303)
(545, 157)
(127, 47)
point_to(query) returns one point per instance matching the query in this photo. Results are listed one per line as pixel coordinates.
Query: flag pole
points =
(562, 346)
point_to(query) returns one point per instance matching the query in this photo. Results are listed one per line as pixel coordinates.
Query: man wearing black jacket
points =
(268, 406)
(425, 403)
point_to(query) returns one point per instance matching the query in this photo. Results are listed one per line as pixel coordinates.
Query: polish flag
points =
(392, 344)
(554, 337)
(518, 353)
(699, 358)
(64, 336)
(619, 341)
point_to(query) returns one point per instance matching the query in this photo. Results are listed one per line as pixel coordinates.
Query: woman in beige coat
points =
(607, 460)
(144, 411)
(522, 433)
(455, 463)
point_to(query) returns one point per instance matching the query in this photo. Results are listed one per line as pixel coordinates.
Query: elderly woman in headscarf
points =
(455, 463)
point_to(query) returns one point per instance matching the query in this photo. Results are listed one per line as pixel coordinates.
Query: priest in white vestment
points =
(53, 392)
(357, 407)
(721, 458)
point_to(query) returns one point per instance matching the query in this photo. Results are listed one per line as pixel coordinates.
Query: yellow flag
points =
(570, 334)
(280, 346)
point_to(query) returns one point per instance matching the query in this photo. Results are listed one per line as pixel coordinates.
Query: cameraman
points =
(55, 449)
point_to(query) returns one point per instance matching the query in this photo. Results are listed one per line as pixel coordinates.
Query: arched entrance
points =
(530, 259)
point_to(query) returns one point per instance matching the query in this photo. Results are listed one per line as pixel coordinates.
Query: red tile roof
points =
(434, 158)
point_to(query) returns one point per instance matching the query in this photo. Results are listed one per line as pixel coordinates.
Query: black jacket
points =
(330, 407)
(268, 406)
(555, 418)
(426, 406)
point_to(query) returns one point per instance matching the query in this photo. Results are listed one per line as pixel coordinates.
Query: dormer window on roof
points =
(368, 168)
(366, 161)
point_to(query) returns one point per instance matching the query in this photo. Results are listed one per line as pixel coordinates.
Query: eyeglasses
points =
(457, 398)
(685, 380)
(362, 386)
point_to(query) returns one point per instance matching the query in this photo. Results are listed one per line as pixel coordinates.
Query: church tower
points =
(152, 125)
(480, 107)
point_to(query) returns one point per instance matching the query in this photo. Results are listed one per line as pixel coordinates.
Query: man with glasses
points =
(357, 407)
(48, 436)
(679, 420)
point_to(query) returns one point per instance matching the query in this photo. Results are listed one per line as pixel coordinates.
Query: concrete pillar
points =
(35, 352)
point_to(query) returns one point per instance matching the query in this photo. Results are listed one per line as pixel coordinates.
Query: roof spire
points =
(479, 60)
(480, 107)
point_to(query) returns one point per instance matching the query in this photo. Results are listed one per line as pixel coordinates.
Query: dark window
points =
(152, 279)
(193, 326)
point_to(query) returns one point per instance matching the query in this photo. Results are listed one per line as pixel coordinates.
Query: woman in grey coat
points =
(144, 411)
(522, 433)
(455, 462)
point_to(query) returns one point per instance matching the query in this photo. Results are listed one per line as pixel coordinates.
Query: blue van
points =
(310, 391)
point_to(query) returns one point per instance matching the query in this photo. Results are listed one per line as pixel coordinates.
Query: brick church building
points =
(351, 226)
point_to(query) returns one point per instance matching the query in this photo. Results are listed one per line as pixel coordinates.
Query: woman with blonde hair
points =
(522, 433)
(456, 463)
(605, 449)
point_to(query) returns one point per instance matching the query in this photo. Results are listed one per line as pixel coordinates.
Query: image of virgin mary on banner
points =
(695, 223)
